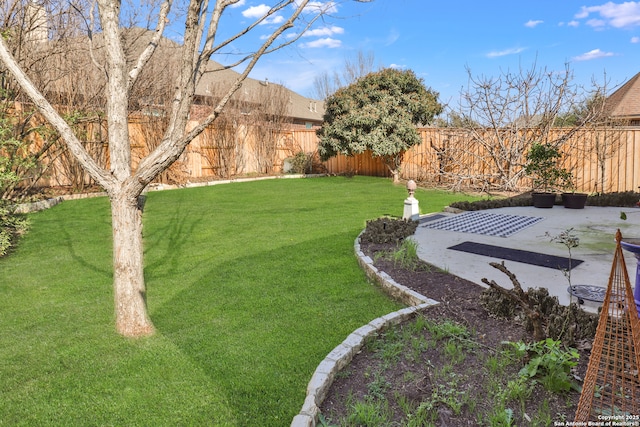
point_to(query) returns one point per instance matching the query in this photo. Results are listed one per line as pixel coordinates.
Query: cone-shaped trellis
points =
(611, 385)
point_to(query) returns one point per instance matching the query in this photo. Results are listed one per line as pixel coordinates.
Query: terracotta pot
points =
(543, 200)
(574, 200)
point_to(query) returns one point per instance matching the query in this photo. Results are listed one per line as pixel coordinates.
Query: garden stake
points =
(611, 389)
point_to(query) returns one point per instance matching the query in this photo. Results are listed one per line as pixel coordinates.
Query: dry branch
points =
(519, 297)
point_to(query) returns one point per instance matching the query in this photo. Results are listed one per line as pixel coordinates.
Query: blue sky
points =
(439, 39)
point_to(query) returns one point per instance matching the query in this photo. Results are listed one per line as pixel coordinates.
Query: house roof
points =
(625, 102)
(215, 81)
(217, 76)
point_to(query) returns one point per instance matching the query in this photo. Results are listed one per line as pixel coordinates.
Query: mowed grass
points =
(249, 285)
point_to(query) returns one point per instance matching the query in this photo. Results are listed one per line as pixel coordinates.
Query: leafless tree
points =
(40, 37)
(327, 83)
(91, 133)
(267, 123)
(605, 143)
(223, 144)
(257, 117)
(122, 182)
(605, 134)
(502, 116)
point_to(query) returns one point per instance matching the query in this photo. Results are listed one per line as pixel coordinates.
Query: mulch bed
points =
(459, 302)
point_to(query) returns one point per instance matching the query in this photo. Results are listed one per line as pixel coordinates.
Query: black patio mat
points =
(518, 255)
(430, 218)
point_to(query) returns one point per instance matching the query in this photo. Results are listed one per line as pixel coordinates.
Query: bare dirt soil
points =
(458, 395)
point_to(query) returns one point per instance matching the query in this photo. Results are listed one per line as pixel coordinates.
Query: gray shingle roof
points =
(300, 107)
(166, 62)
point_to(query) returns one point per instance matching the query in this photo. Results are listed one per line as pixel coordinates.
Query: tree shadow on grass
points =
(166, 243)
(259, 324)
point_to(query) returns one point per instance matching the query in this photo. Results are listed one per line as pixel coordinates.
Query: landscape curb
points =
(342, 355)
(23, 208)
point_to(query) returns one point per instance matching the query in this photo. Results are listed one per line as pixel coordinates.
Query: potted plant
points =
(543, 166)
(573, 200)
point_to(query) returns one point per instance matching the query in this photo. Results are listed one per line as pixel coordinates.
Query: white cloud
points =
(622, 15)
(513, 51)
(573, 23)
(592, 54)
(324, 31)
(276, 19)
(240, 3)
(596, 23)
(532, 23)
(324, 42)
(635, 39)
(584, 12)
(256, 11)
(398, 66)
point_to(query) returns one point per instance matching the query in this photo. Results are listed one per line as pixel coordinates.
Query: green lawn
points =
(250, 285)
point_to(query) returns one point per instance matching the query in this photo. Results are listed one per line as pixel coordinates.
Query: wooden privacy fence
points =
(601, 159)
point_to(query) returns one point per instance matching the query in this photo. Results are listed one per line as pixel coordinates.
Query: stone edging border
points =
(341, 356)
(24, 208)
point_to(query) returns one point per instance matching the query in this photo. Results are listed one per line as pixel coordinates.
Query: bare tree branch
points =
(171, 148)
(153, 43)
(54, 118)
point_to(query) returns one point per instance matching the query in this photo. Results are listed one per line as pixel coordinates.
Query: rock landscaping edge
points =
(341, 355)
(24, 208)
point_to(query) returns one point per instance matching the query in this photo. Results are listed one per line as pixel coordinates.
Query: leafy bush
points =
(543, 166)
(550, 362)
(388, 230)
(11, 226)
(301, 162)
(15, 159)
(520, 200)
(622, 199)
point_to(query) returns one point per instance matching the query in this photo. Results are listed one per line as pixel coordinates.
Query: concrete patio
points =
(594, 226)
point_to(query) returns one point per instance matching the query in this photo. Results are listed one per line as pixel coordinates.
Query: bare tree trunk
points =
(121, 182)
(128, 276)
(393, 164)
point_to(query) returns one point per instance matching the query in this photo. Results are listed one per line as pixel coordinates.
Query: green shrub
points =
(11, 226)
(520, 200)
(543, 166)
(550, 362)
(301, 163)
(622, 199)
(15, 159)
